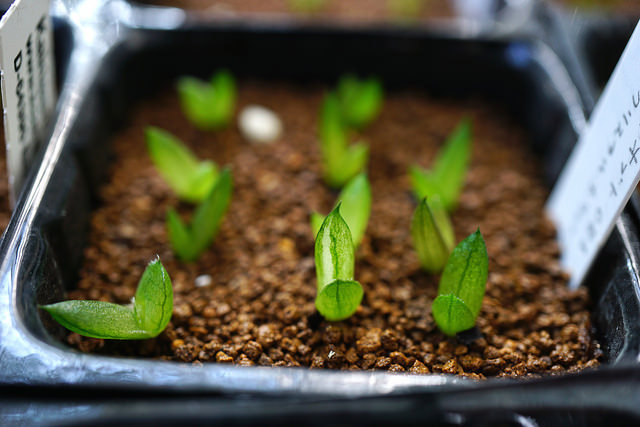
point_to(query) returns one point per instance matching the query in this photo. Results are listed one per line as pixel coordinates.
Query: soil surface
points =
(352, 10)
(259, 308)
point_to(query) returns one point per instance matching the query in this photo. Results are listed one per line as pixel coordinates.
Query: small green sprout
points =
(187, 176)
(208, 105)
(356, 207)
(360, 100)
(338, 294)
(189, 241)
(151, 312)
(462, 286)
(447, 176)
(341, 161)
(307, 6)
(432, 233)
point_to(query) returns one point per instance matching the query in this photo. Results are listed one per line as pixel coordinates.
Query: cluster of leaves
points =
(446, 178)
(463, 281)
(462, 286)
(355, 201)
(194, 181)
(353, 105)
(339, 295)
(208, 105)
(150, 314)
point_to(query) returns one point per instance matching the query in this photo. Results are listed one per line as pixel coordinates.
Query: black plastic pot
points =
(43, 245)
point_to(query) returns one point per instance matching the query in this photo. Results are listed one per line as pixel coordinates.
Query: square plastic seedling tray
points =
(43, 246)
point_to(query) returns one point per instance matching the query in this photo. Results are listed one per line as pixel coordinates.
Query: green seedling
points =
(432, 233)
(307, 6)
(341, 161)
(187, 176)
(208, 105)
(355, 199)
(189, 241)
(462, 286)
(446, 178)
(338, 294)
(150, 314)
(360, 100)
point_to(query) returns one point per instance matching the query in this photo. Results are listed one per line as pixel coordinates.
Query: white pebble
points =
(259, 124)
(203, 281)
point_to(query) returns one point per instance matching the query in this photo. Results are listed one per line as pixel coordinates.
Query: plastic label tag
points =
(28, 83)
(603, 169)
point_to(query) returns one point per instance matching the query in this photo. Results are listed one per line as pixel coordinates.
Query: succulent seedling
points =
(189, 241)
(432, 234)
(190, 178)
(446, 178)
(462, 286)
(150, 314)
(341, 161)
(355, 199)
(338, 294)
(360, 100)
(208, 105)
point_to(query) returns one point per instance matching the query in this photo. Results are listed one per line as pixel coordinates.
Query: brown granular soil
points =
(349, 11)
(259, 308)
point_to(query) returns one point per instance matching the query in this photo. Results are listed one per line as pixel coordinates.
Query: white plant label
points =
(603, 169)
(28, 83)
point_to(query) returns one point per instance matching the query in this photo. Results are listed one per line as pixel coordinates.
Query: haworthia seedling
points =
(151, 312)
(187, 176)
(340, 160)
(189, 241)
(432, 234)
(339, 295)
(462, 286)
(360, 100)
(208, 105)
(446, 178)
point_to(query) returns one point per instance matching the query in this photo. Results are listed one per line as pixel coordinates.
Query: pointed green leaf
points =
(452, 162)
(339, 299)
(208, 216)
(197, 99)
(464, 277)
(189, 241)
(189, 178)
(360, 100)
(334, 251)
(452, 315)
(180, 237)
(226, 93)
(427, 239)
(333, 135)
(152, 311)
(153, 304)
(97, 319)
(443, 222)
(208, 105)
(446, 178)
